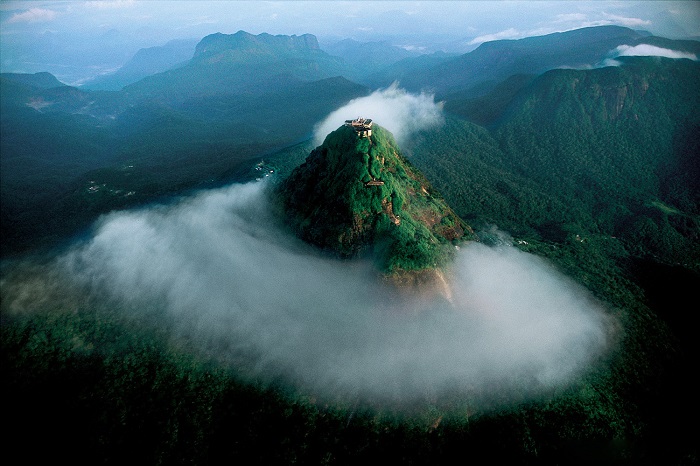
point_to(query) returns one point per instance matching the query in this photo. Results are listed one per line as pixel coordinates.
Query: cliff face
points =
(241, 64)
(358, 195)
(243, 46)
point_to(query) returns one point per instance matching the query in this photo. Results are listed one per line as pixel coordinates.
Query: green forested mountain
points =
(41, 80)
(405, 70)
(59, 161)
(359, 194)
(595, 170)
(487, 109)
(476, 73)
(605, 156)
(240, 96)
(368, 58)
(241, 63)
(145, 62)
(614, 137)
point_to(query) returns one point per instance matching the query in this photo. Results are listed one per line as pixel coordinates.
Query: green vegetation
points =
(50, 161)
(595, 170)
(492, 63)
(355, 195)
(584, 154)
(96, 387)
(249, 64)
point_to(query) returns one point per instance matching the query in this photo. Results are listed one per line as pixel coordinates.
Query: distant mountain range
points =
(543, 147)
(618, 143)
(368, 58)
(479, 71)
(378, 64)
(241, 95)
(241, 63)
(145, 63)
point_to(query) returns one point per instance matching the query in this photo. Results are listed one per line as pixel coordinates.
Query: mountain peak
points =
(41, 80)
(245, 44)
(356, 194)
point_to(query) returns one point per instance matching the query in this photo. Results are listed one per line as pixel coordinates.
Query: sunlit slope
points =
(354, 195)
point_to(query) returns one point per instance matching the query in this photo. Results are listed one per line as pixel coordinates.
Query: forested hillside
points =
(358, 195)
(615, 145)
(594, 170)
(91, 156)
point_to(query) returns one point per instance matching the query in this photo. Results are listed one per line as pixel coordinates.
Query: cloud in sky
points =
(646, 50)
(566, 17)
(393, 108)
(110, 4)
(561, 23)
(33, 15)
(510, 33)
(346, 18)
(630, 22)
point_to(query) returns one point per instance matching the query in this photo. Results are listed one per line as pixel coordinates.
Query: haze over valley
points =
(205, 258)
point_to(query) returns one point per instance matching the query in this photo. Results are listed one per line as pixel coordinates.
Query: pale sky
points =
(116, 29)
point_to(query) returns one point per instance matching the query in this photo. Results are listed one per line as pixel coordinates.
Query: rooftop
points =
(363, 126)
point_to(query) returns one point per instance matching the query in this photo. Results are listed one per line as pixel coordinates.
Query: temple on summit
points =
(362, 126)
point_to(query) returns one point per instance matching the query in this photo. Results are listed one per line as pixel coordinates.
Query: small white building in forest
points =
(362, 126)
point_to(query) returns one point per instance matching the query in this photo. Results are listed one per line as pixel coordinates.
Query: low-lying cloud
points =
(220, 269)
(393, 108)
(510, 33)
(644, 50)
(33, 15)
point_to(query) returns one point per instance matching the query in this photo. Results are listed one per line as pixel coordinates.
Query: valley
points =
(586, 174)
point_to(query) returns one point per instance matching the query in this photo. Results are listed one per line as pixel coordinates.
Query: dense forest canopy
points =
(579, 157)
(358, 194)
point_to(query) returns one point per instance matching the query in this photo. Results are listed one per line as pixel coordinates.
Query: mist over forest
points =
(220, 269)
(533, 182)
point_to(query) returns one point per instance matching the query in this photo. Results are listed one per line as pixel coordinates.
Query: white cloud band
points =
(222, 268)
(393, 108)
